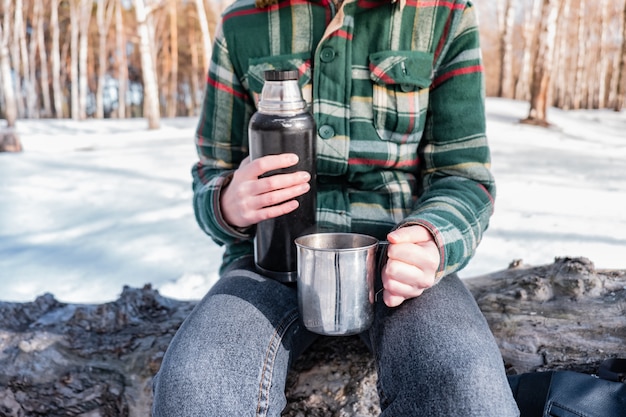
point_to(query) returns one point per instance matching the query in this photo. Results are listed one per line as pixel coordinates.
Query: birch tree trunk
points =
(563, 69)
(43, 58)
(173, 88)
(85, 18)
(104, 15)
(507, 20)
(522, 88)
(10, 104)
(55, 53)
(540, 86)
(604, 60)
(581, 80)
(18, 57)
(33, 97)
(206, 36)
(74, 34)
(122, 63)
(150, 85)
(621, 78)
(193, 74)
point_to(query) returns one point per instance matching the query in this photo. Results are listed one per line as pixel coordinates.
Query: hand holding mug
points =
(413, 261)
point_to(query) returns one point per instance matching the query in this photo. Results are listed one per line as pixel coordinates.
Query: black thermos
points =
(282, 124)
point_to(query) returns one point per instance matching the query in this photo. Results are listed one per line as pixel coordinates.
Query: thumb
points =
(410, 234)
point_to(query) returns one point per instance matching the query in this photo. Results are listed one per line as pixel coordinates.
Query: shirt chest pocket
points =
(401, 81)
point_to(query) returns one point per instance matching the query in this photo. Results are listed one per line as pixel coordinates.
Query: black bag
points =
(572, 394)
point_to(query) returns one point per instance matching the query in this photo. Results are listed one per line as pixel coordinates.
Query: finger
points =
(392, 300)
(268, 163)
(280, 196)
(396, 292)
(280, 182)
(410, 234)
(275, 211)
(405, 279)
(410, 253)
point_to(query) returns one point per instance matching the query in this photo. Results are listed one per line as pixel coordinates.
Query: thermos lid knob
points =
(278, 75)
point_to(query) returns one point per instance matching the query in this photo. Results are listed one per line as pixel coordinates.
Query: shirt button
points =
(326, 132)
(406, 87)
(327, 54)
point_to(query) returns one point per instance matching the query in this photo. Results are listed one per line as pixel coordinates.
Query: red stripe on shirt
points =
(434, 3)
(272, 7)
(342, 34)
(225, 88)
(461, 71)
(378, 162)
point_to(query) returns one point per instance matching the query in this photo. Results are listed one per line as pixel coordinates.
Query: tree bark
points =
(10, 103)
(507, 22)
(530, 33)
(206, 36)
(604, 58)
(150, 85)
(563, 68)
(621, 79)
(19, 56)
(173, 87)
(581, 80)
(71, 360)
(74, 77)
(43, 58)
(540, 86)
(83, 53)
(104, 15)
(121, 61)
(55, 53)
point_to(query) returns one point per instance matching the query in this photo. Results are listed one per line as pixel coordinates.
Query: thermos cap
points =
(278, 75)
(281, 93)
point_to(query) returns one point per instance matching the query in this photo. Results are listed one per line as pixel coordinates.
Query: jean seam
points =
(268, 364)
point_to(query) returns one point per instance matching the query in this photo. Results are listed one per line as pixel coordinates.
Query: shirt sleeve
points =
(458, 188)
(221, 143)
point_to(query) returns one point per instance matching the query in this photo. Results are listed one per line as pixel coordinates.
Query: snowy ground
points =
(90, 207)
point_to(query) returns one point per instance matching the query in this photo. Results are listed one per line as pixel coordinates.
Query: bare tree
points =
(544, 59)
(206, 36)
(85, 17)
(562, 84)
(530, 33)
(621, 78)
(55, 57)
(74, 35)
(604, 60)
(104, 16)
(151, 97)
(193, 71)
(173, 85)
(122, 63)
(38, 17)
(506, 22)
(10, 104)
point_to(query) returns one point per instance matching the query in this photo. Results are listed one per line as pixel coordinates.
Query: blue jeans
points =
(435, 354)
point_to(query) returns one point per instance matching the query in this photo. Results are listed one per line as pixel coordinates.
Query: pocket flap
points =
(411, 68)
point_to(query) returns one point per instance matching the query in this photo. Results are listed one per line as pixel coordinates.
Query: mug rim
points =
(368, 241)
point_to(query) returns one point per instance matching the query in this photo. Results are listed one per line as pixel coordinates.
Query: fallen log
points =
(60, 359)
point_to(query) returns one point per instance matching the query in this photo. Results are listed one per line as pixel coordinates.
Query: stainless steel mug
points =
(336, 274)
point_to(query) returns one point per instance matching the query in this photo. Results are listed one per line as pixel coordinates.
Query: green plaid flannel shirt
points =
(397, 91)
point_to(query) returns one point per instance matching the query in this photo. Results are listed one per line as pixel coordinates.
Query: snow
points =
(92, 206)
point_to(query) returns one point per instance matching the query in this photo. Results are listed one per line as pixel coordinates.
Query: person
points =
(396, 90)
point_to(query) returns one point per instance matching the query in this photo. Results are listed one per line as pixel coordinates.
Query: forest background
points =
(84, 59)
